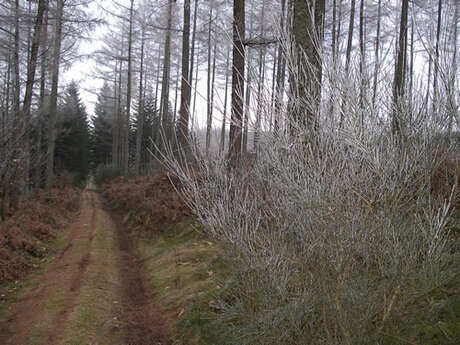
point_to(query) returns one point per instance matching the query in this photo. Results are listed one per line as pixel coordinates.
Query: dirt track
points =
(93, 293)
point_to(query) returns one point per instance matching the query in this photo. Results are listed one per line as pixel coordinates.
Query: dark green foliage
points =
(72, 141)
(150, 130)
(101, 139)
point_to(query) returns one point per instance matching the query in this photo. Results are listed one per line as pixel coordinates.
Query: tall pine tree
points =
(72, 152)
(101, 139)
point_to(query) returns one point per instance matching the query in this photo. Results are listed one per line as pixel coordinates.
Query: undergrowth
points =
(29, 235)
(149, 204)
(355, 243)
(363, 281)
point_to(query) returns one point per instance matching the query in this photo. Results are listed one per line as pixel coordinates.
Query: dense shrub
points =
(334, 243)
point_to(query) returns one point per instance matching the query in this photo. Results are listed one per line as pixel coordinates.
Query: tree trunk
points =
(260, 82)
(362, 52)
(280, 75)
(128, 94)
(185, 94)
(213, 78)
(334, 31)
(222, 133)
(25, 114)
(176, 95)
(348, 58)
(116, 137)
(195, 92)
(43, 66)
(16, 66)
(339, 29)
(53, 98)
(192, 64)
(165, 81)
(237, 82)
(208, 99)
(377, 47)
(411, 71)
(308, 35)
(118, 142)
(436, 61)
(453, 109)
(399, 78)
(140, 112)
(157, 81)
(273, 89)
(247, 101)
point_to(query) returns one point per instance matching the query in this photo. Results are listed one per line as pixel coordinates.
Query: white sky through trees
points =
(84, 70)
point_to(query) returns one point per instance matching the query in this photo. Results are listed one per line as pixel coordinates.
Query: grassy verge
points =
(221, 307)
(186, 271)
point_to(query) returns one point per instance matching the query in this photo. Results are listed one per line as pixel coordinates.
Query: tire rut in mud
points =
(40, 315)
(143, 322)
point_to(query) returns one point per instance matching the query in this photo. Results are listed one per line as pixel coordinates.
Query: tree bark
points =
(308, 35)
(25, 114)
(209, 105)
(400, 73)
(16, 67)
(377, 56)
(436, 61)
(260, 82)
(247, 100)
(237, 82)
(280, 75)
(222, 133)
(362, 60)
(185, 94)
(54, 91)
(453, 109)
(140, 113)
(213, 78)
(128, 94)
(192, 65)
(348, 58)
(43, 67)
(165, 80)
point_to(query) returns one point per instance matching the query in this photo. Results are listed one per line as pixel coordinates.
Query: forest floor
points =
(93, 292)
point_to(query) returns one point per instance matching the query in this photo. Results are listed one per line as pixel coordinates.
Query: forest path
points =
(93, 293)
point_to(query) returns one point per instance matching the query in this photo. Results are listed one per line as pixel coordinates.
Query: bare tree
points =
(25, 113)
(140, 113)
(164, 108)
(54, 94)
(306, 75)
(128, 93)
(377, 56)
(400, 72)
(436, 59)
(281, 70)
(184, 111)
(209, 86)
(224, 118)
(237, 82)
(351, 25)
